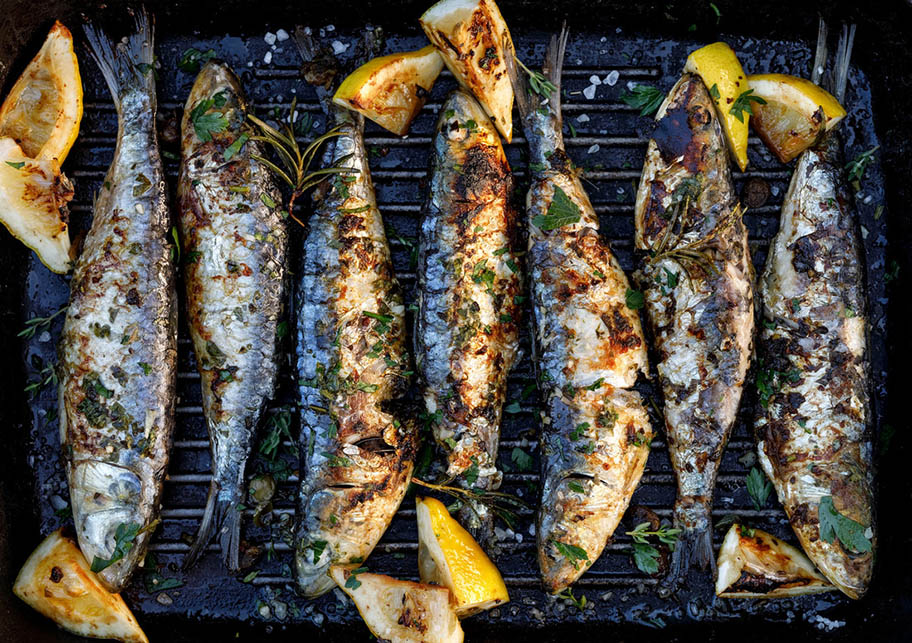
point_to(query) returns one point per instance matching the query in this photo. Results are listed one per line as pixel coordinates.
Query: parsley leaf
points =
(646, 558)
(758, 487)
(513, 407)
(192, 59)
(743, 104)
(833, 524)
(206, 124)
(521, 459)
(634, 299)
(561, 212)
(645, 98)
(572, 553)
(471, 473)
(124, 538)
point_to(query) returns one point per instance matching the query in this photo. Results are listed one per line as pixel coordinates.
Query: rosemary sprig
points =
(47, 375)
(35, 324)
(503, 505)
(537, 81)
(294, 163)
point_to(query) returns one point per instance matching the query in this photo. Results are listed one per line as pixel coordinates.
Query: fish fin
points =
(693, 516)
(127, 66)
(554, 60)
(221, 515)
(841, 65)
(554, 63)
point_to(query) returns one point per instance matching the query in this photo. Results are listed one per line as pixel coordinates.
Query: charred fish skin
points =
(589, 351)
(467, 326)
(697, 279)
(357, 447)
(234, 244)
(814, 425)
(118, 349)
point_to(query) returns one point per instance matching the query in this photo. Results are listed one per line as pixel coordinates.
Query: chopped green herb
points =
(759, 488)
(577, 433)
(141, 184)
(267, 200)
(634, 299)
(16, 164)
(471, 473)
(124, 537)
(714, 91)
(576, 487)
(596, 385)
(521, 459)
(249, 577)
(742, 104)
(562, 211)
(317, 547)
(857, 167)
(352, 581)
(146, 368)
(235, 147)
(513, 407)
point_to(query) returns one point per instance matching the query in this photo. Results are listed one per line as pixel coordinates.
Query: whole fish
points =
(814, 415)
(697, 277)
(234, 245)
(118, 350)
(467, 328)
(589, 351)
(357, 446)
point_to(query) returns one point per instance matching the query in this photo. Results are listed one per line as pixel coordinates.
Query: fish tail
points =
(841, 66)
(820, 56)
(127, 66)
(522, 88)
(692, 515)
(221, 515)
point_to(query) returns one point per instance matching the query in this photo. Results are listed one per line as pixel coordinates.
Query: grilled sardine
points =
(696, 275)
(589, 351)
(466, 335)
(234, 247)
(357, 447)
(119, 347)
(814, 414)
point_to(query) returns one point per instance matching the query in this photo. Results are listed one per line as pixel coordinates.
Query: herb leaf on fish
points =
(645, 98)
(834, 525)
(538, 83)
(124, 538)
(562, 211)
(759, 488)
(572, 553)
(206, 123)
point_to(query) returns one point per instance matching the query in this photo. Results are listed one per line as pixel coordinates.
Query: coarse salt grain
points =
(268, 57)
(281, 35)
(612, 78)
(593, 149)
(589, 92)
(582, 118)
(338, 47)
(595, 80)
(270, 38)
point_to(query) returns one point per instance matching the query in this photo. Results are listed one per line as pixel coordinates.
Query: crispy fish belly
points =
(234, 247)
(697, 279)
(466, 336)
(589, 350)
(813, 420)
(357, 447)
(119, 346)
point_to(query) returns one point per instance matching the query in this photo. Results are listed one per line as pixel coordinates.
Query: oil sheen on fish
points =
(119, 346)
(357, 444)
(233, 245)
(589, 351)
(466, 336)
(814, 413)
(696, 276)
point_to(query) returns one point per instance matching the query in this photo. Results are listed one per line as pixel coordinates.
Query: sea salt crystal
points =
(338, 47)
(270, 38)
(774, 190)
(595, 80)
(589, 92)
(330, 28)
(44, 337)
(281, 35)
(868, 199)
(593, 149)
(268, 57)
(582, 118)
(612, 78)
(603, 39)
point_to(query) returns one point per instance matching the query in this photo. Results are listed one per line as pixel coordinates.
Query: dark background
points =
(881, 50)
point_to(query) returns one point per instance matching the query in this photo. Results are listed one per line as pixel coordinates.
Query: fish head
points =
(216, 93)
(686, 173)
(106, 500)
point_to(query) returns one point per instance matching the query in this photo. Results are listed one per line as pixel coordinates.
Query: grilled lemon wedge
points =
(390, 90)
(396, 610)
(755, 564)
(449, 556)
(795, 114)
(43, 110)
(474, 41)
(33, 198)
(57, 582)
(723, 76)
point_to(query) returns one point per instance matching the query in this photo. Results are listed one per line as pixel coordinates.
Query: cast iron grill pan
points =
(610, 145)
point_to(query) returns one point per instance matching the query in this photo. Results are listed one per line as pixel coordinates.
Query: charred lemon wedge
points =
(795, 114)
(449, 556)
(33, 198)
(390, 90)
(755, 564)
(57, 581)
(723, 76)
(43, 110)
(474, 42)
(396, 610)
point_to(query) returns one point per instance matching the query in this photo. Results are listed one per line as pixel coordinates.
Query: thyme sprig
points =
(35, 324)
(537, 81)
(502, 505)
(294, 163)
